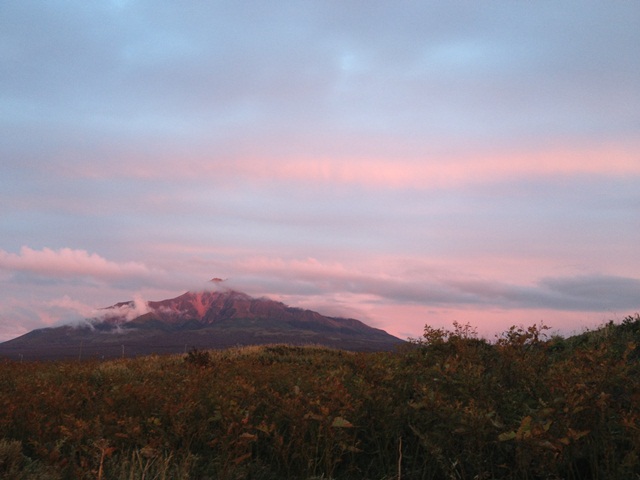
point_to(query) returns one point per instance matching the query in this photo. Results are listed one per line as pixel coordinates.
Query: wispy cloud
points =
(438, 288)
(424, 171)
(128, 310)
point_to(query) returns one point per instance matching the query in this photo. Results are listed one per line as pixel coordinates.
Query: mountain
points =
(201, 320)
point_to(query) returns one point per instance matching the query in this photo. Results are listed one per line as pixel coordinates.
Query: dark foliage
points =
(450, 405)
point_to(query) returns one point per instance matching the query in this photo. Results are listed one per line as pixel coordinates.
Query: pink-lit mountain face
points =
(202, 320)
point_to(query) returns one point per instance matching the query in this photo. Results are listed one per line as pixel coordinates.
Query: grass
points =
(448, 406)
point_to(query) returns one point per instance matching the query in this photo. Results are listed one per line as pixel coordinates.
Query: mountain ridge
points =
(207, 319)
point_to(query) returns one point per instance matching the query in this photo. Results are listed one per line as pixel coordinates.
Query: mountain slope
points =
(202, 320)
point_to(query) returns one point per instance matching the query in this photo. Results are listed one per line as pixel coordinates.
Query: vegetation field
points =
(448, 406)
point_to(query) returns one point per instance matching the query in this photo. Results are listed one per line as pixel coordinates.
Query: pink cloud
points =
(67, 262)
(309, 268)
(74, 307)
(415, 171)
(462, 170)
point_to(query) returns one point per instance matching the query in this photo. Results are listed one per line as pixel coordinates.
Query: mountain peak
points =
(204, 305)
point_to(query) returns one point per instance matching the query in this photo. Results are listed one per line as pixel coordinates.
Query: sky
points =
(404, 163)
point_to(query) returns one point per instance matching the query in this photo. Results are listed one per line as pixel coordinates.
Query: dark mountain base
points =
(82, 345)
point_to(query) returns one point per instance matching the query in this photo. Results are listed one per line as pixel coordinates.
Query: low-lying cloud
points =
(128, 311)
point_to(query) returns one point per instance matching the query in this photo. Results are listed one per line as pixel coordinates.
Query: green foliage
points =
(451, 405)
